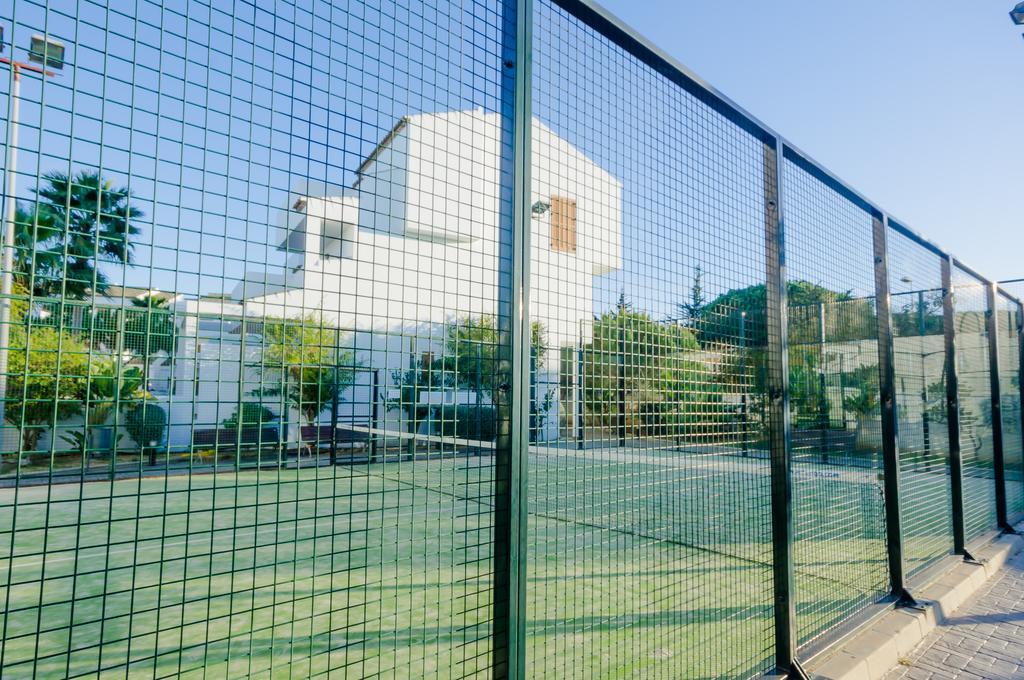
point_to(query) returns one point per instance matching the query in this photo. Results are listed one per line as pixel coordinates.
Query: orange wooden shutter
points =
(563, 224)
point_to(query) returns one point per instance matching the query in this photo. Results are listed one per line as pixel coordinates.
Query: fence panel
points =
(1009, 373)
(840, 553)
(915, 279)
(649, 478)
(356, 339)
(251, 412)
(975, 402)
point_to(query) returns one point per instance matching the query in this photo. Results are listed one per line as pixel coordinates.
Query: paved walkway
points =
(982, 639)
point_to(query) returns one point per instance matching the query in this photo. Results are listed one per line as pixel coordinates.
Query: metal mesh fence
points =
(649, 484)
(915, 281)
(250, 421)
(375, 338)
(1007, 315)
(975, 402)
(833, 377)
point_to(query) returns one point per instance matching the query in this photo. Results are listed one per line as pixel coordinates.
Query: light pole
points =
(48, 53)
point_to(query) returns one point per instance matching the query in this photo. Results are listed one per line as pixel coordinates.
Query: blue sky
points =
(917, 112)
(920, 111)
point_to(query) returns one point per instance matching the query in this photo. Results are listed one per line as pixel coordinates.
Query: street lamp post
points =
(48, 53)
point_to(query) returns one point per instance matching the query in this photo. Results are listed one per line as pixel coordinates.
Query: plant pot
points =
(869, 433)
(101, 439)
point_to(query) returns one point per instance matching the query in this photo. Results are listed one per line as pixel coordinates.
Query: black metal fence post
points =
(956, 471)
(776, 315)
(512, 372)
(998, 460)
(890, 422)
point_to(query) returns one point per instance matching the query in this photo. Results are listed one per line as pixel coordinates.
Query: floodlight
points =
(49, 53)
(1017, 14)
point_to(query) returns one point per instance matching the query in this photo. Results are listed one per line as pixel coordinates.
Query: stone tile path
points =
(982, 639)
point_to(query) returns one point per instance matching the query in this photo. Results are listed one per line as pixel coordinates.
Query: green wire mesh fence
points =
(371, 338)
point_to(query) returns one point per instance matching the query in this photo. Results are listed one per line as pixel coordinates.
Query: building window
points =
(563, 224)
(426, 366)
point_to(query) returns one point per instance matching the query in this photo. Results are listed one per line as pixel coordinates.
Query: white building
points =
(411, 246)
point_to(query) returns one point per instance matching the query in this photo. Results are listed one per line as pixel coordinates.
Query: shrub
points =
(35, 393)
(146, 423)
(254, 414)
(466, 421)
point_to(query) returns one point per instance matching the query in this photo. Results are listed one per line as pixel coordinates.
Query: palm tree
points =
(29, 260)
(76, 223)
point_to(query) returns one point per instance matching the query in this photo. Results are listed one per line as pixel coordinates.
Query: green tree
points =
(112, 386)
(311, 368)
(146, 423)
(809, 403)
(914, 316)
(74, 224)
(688, 399)
(49, 380)
(740, 313)
(692, 310)
(422, 375)
(631, 344)
(471, 353)
(29, 260)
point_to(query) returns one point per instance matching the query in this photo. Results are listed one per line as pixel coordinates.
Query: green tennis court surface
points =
(381, 568)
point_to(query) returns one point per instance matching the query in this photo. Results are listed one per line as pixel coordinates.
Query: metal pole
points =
(890, 422)
(240, 406)
(925, 419)
(508, 651)
(998, 462)
(119, 346)
(744, 417)
(414, 397)
(374, 414)
(479, 390)
(621, 368)
(956, 471)
(823, 416)
(7, 278)
(334, 403)
(580, 387)
(778, 403)
(533, 396)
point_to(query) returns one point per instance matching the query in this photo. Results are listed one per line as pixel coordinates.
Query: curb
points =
(875, 651)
